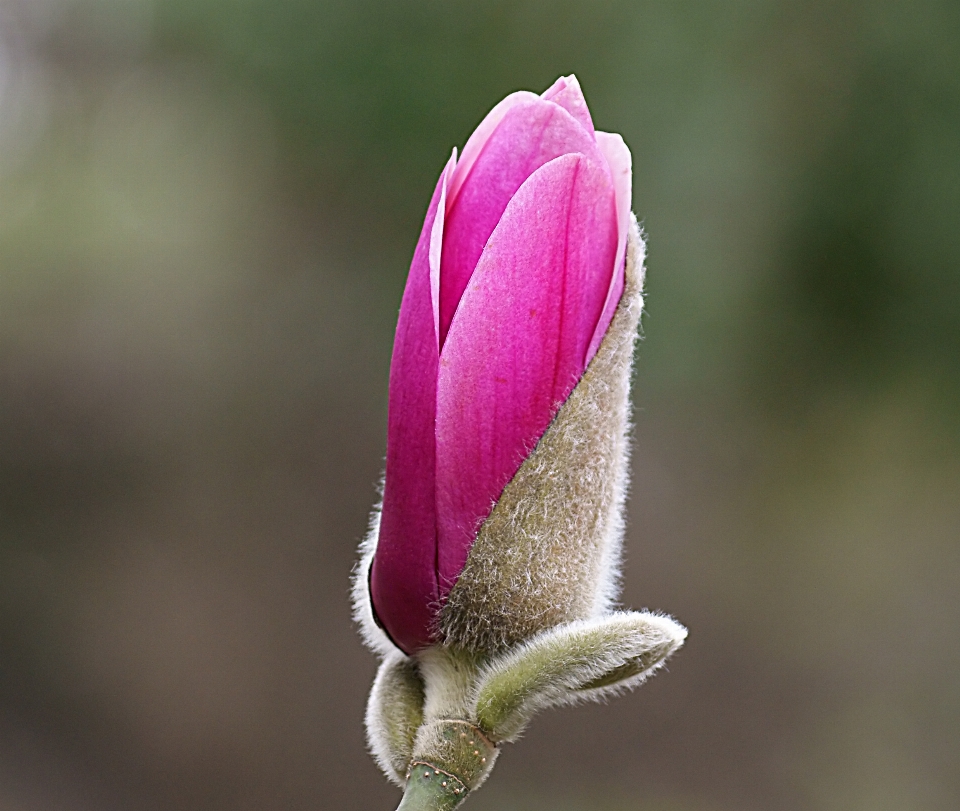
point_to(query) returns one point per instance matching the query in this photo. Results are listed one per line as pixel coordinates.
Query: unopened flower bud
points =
(489, 577)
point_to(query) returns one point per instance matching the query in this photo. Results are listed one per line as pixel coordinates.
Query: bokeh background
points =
(207, 209)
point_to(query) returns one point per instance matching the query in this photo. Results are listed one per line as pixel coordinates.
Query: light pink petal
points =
(516, 346)
(531, 133)
(436, 242)
(403, 579)
(567, 93)
(478, 140)
(620, 162)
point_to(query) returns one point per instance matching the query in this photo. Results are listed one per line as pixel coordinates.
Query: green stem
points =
(430, 789)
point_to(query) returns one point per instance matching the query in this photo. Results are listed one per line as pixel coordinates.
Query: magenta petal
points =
(403, 578)
(531, 133)
(567, 93)
(619, 161)
(516, 347)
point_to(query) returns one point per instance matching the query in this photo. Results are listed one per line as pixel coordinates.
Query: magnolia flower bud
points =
(489, 576)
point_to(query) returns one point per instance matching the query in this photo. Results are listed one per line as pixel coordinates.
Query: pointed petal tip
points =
(566, 93)
(435, 251)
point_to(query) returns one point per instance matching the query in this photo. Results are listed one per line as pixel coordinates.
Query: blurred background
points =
(207, 210)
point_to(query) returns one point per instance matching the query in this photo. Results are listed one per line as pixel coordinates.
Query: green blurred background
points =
(207, 209)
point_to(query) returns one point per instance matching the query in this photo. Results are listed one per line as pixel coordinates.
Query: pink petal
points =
(567, 93)
(516, 346)
(478, 140)
(618, 159)
(530, 133)
(403, 578)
